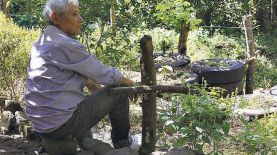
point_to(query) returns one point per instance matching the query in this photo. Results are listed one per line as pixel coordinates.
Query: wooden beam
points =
(149, 89)
(148, 77)
(250, 77)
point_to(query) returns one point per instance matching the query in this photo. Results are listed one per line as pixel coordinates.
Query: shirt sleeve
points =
(74, 56)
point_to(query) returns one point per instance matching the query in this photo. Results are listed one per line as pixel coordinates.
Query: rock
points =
(175, 151)
(20, 117)
(87, 152)
(121, 151)
(6, 120)
(60, 146)
(96, 146)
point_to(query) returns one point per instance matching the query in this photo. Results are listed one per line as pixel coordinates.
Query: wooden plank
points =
(148, 77)
(149, 89)
(250, 76)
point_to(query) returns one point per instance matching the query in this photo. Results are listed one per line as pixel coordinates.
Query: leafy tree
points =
(180, 15)
(28, 13)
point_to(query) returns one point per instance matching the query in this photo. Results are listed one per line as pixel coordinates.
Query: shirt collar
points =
(51, 29)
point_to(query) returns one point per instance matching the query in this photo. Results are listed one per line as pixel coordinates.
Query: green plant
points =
(174, 12)
(265, 74)
(203, 46)
(28, 13)
(114, 48)
(195, 120)
(14, 49)
(259, 136)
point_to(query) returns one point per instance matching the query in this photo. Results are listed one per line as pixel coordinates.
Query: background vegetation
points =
(215, 31)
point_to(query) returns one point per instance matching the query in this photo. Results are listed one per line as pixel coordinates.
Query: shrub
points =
(203, 46)
(265, 75)
(259, 136)
(113, 47)
(195, 121)
(14, 49)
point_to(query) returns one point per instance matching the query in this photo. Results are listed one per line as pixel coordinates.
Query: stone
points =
(96, 146)
(175, 151)
(5, 120)
(121, 151)
(20, 117)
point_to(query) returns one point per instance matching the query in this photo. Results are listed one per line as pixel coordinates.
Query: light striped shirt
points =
(59, 68)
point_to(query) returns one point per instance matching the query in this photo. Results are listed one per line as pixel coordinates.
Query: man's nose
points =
(81, 19)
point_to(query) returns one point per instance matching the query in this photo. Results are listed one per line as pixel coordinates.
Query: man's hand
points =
(129, 83)
(92, 85)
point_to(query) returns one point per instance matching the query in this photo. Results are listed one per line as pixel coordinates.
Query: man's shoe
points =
(133, 142)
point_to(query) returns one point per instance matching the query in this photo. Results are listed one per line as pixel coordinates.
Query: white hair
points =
(57, 6)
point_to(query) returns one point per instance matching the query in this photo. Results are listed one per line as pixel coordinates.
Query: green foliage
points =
(266, 67)
(15, 45)
(174, 12)
(260, 136)
(28, 13)
(163, 39)
(266, 43)
(265, 74)
(203, 46)
(195, 120)
(113, 47)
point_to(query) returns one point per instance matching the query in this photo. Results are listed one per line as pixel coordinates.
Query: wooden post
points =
(183, 38)
(148, 77)
(250, 77)
(272, 10)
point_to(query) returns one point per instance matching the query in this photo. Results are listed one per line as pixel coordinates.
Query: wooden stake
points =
(149, 89)
(183, 38)
(250, 77)
(271, 10)
(148, 77)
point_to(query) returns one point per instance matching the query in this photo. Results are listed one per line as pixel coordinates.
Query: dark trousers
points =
(90, 111)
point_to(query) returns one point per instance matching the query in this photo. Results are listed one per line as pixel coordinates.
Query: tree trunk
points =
(250, 77)
(183, 38)
(113, 17)
(148, 77)
(1, 5)
(271, 11)
(4, 8)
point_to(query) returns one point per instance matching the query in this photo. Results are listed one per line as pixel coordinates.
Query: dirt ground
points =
(16, 145)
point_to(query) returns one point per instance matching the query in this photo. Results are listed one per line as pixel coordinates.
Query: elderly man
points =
(60, 67)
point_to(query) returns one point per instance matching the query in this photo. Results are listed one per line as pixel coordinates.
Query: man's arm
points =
(126, 82)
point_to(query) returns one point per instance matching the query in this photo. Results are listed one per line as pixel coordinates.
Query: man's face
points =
(70, 21)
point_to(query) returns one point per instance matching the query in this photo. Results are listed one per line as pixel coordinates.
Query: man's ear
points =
(54, 18)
